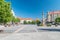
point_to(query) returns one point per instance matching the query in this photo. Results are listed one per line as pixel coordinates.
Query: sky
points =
(34, 8)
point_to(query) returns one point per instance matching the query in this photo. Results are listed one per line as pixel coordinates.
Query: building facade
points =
(25, 19)
(53, 15)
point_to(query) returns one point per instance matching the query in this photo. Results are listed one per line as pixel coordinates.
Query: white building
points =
(25, 19)
(53, 15)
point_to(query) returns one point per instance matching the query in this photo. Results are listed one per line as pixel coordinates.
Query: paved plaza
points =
(30, 32)
(32, 36)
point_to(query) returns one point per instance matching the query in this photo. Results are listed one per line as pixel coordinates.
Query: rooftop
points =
(54, 12)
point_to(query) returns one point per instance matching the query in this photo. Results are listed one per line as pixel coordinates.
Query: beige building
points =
(25, 19)
(53, 15)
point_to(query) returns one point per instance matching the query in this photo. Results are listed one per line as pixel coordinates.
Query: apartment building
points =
(53, 15)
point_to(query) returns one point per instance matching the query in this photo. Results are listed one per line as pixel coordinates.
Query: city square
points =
(29, 19)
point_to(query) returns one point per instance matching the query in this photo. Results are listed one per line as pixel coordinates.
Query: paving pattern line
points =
(18, 29)
(36, 30)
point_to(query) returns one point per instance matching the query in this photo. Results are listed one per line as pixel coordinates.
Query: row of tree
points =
(32, 22)
(29, 22)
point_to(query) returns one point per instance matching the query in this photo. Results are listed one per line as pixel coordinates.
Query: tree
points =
(15, 20)
(25, 22)
(33, 22)
(38, 22)
(29, 22)
(57, 20)
(5, 12)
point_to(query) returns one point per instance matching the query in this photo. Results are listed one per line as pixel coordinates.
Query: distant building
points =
(25, 19)
(53, 15)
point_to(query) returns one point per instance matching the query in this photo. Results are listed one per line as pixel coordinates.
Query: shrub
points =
(48, 24)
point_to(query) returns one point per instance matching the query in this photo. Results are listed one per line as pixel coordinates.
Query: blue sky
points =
(34, 8)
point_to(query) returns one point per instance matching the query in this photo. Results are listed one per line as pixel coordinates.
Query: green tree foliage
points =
(57, 20)
(29, 22)
(25, 22)
(33, 22)
(38, 21)
(5, 12)
(15, 20)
